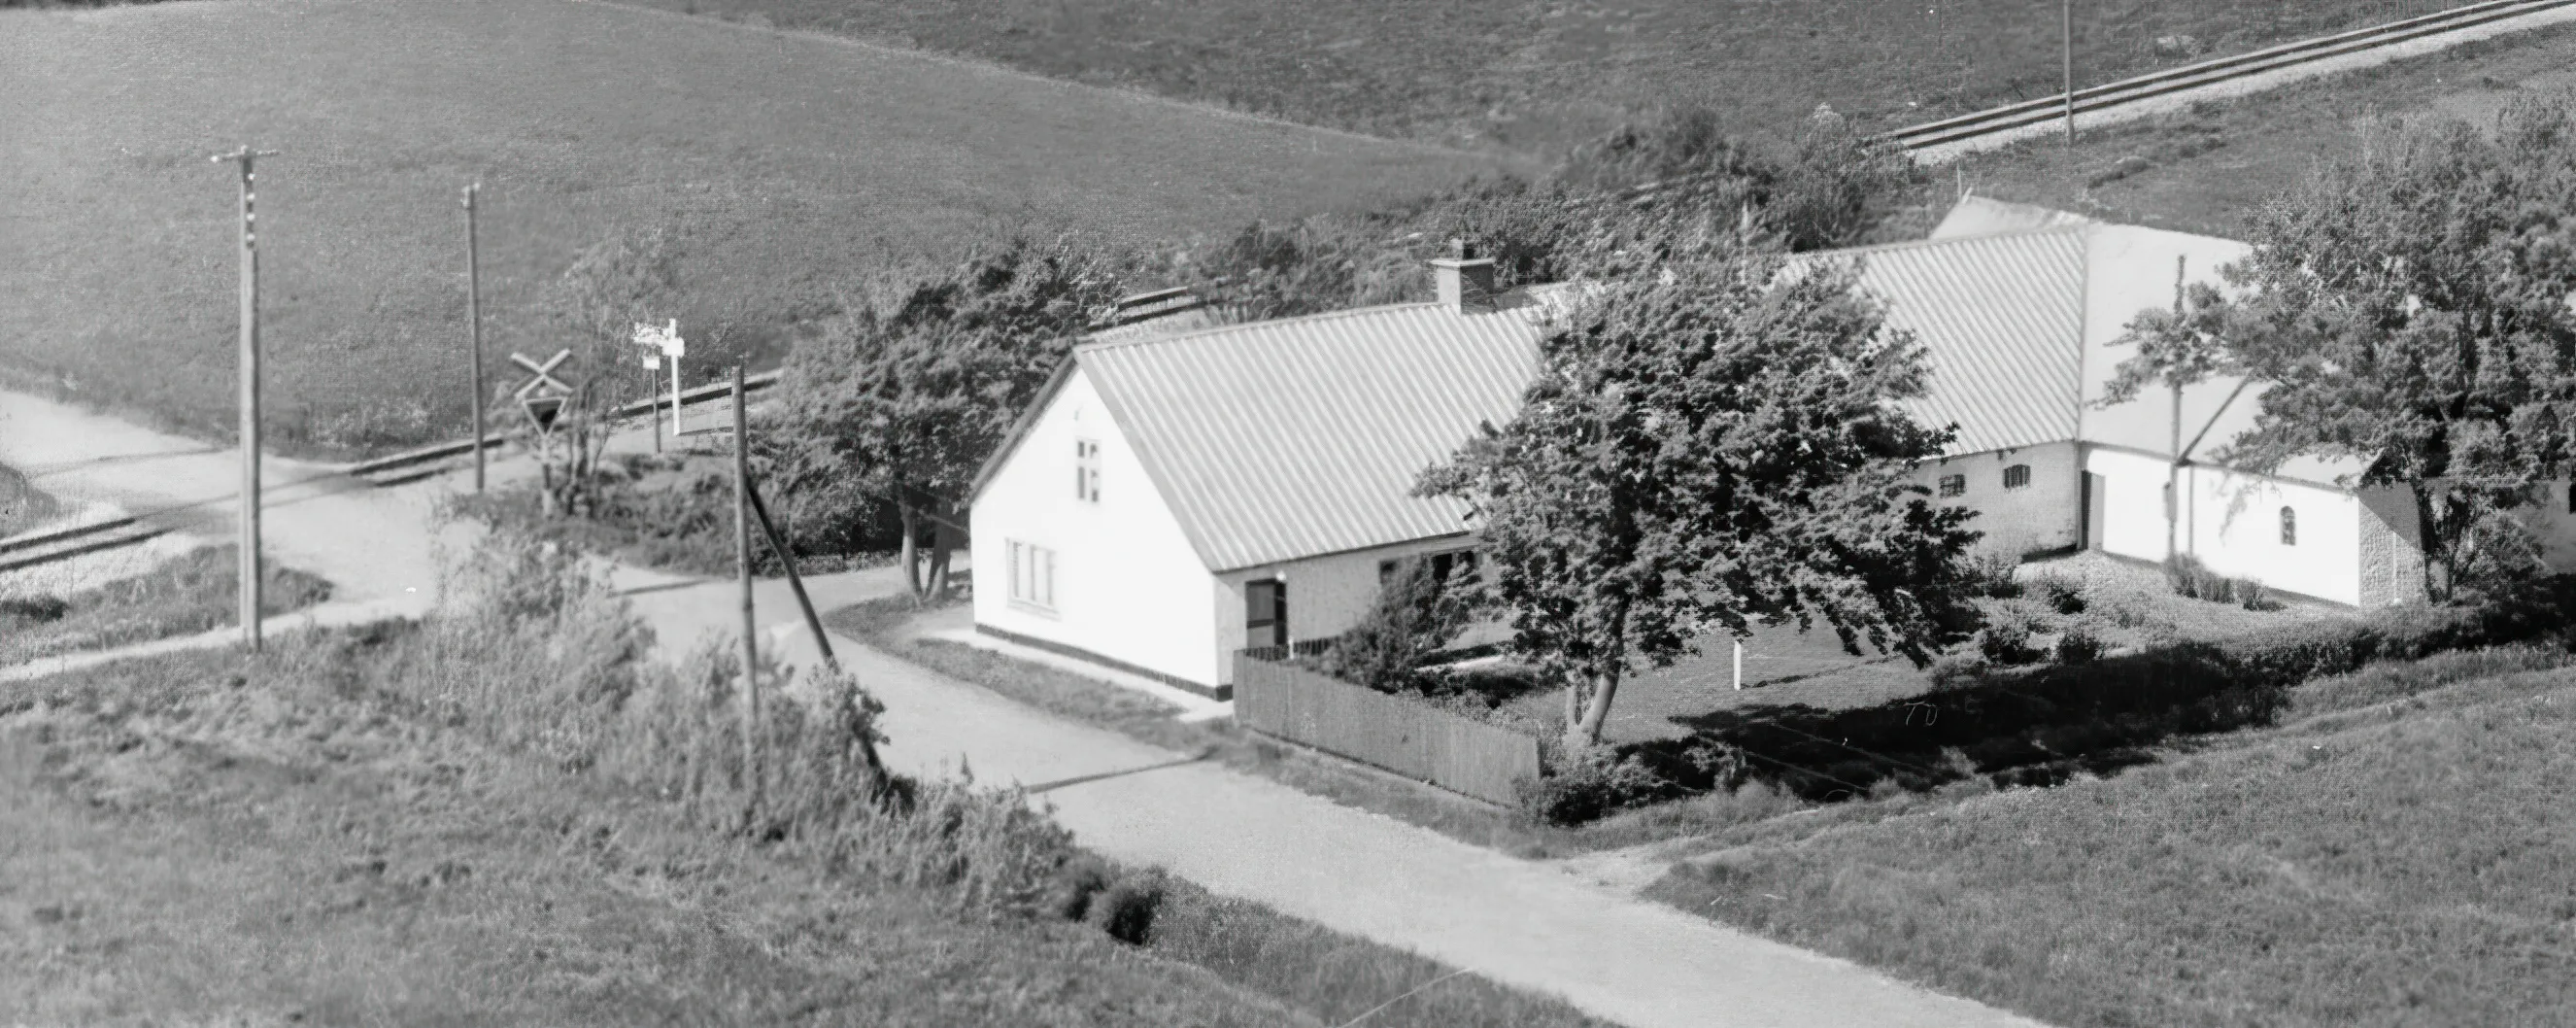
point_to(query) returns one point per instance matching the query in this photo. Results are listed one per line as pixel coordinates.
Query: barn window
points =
(1954, 485)
(1086, 471)
(2289, 527)
(2017, 476)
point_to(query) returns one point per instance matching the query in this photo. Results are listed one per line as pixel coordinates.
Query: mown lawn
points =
(1539, 74)
(2399, 851)
(793, 168)
(194, 592)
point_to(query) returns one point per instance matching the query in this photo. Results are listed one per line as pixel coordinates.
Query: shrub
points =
(2006, 639)
(1990, 573)
(20, 611)
(2193, 580)
(1075, 884)
(1413, 617)
(1126, 910)
(2252, 595)
(2061, 594)
(2076, 647)
(1584, 787)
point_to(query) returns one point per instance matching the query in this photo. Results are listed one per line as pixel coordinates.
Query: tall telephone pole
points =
(2066, 26)
(246, 157)
(742, 562)
(474, 329)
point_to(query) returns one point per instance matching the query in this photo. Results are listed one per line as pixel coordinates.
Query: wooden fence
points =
(1456, 753)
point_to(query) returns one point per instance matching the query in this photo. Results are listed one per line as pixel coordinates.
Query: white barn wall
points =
(2045, 515)
(1129, 586)
(2233, 526)
(2132, 500)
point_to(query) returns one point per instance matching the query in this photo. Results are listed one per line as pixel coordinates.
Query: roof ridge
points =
(1301, 319)
(1925, 244)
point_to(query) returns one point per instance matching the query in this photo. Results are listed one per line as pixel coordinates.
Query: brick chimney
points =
(1463, 277)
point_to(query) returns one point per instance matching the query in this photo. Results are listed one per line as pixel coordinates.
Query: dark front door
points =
(2096, 500)
(1265, 620)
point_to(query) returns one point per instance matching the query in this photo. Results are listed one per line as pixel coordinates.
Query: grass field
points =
(193, 593)
(2210, 168)
(344, 830)
(2396, 852)
(792, 167)
(1535, 75)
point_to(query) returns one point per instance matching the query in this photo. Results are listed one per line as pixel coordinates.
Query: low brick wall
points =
(1456, 753)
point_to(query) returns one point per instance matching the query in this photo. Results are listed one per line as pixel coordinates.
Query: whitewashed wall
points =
(2233, 526)
(2132, 499)
(1129, 586)
(2041, 516)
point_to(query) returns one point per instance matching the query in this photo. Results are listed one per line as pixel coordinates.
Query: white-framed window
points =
(1086, 471)
(1032, 576)
(1954, 485)
(2017, 477)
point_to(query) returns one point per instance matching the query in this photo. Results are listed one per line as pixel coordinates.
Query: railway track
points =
(2000, 121)
(46, 546)
(431, 461)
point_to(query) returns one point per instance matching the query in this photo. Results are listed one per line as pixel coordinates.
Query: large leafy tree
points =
(1710, 444)
(2408, 308)
(907, 397)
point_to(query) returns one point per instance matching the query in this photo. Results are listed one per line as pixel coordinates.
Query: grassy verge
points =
(2207, 169)
(195, 592)
(2395, 852)
(504, 816)
(1536, 76)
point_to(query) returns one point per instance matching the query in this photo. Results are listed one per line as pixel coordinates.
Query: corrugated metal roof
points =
(1287, 439)
(2002, 321)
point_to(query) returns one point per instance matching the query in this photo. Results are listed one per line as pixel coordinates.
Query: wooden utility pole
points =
(249, 571)
(742, 562)
(2173, 470)
(474, 328)
(813, 621)
(2066, 53)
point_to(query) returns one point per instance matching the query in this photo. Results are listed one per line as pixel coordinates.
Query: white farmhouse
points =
(1171, 499)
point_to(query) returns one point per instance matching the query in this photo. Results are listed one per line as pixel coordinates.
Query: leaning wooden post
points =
(813, 621)
(742, 562)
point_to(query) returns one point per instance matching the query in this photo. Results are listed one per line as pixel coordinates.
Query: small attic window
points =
(2017, 476)
(1086, 471)
(1954, 485)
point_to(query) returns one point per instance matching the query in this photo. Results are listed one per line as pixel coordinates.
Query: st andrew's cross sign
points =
(542, 396)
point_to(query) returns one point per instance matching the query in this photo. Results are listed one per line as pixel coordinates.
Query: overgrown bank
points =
(539, 805)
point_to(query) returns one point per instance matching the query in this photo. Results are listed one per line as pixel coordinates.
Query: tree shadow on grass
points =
(2029, 726)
